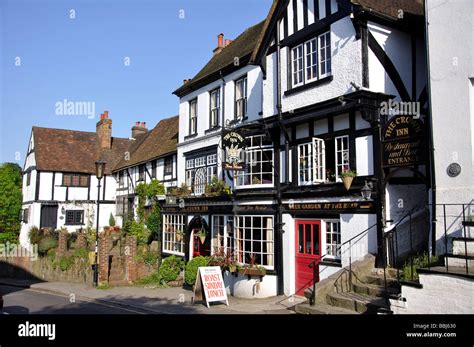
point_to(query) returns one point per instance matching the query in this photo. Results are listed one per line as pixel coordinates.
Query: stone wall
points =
(441, 294)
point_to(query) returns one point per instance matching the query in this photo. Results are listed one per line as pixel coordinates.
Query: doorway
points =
(308, 250)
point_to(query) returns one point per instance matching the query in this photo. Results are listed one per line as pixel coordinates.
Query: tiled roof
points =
(74, 151)
(392, 8)
(240, 47)
(159, 141)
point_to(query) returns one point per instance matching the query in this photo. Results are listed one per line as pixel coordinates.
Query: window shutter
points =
(319, 160)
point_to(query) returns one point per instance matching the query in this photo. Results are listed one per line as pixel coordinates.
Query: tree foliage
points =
(10, 197)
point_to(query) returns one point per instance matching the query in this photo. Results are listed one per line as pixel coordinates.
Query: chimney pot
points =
(144, 124)
(220, 38)
(106, 114)
(227, 42)
(104, 131)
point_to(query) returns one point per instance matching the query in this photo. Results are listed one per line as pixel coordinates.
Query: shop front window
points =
(173, 233)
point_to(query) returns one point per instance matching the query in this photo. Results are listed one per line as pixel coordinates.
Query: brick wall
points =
(441, 294)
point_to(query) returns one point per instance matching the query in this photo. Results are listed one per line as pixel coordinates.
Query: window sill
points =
(74, 225)
(191, 136)
(213, 129)
(253, 186)
(237, 121)
(308, 85)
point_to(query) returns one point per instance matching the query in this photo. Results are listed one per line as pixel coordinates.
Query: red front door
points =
(200, 248)
(308, 249)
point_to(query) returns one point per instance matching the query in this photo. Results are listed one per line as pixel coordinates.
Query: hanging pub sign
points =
(234, 149)
(402, 142)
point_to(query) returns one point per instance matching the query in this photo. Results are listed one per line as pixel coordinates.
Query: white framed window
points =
(201, 161)
(215, 97)
(241, 98)
(297, 65)
(222, 235)
(200, 171)
(311, 66)
(324, 55)
(253, 239)
(312, 162)
(212, 159)
(333, 238)
(173, 233)
(193, 117)
(311, 60)
(259, 160)
(342, 155)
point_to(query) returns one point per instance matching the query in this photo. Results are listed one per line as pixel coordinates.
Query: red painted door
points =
(200, 248)
(308, 249)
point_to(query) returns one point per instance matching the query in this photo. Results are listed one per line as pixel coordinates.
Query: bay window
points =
(253, 240)
(259, 163)
(311, 60)
(174, 226)
(200, 171)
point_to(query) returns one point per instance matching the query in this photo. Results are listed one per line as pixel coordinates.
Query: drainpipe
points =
(280, 230)
(430, 138)
(223, 115)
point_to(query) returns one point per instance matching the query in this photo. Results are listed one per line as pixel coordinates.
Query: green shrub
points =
(46, 243)
(8, 236)
(419, 261)
(111, 220)
(81, 253)
(153, 222)
(140, 232)
(170, 268)
(35, 234)
(66, 262)
(51, 255)
(149, 258)
(192, 267)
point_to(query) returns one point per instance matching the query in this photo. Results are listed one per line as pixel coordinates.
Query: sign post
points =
(209, 285)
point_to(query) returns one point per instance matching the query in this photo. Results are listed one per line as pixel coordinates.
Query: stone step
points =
(375, 290)
(357, 302)
(459, 260)
(306, 308)
(379, 280)
(460, 244)
(390, 272)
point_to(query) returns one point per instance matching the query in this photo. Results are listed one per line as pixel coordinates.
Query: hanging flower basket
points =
(347, 177)
(347, 182)
(202, 235)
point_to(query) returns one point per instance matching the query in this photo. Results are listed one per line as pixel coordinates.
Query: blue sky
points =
(125, 56)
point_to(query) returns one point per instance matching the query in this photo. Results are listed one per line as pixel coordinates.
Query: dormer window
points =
(311, 60)
(241, 98)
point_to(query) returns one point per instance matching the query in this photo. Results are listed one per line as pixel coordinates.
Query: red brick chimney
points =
(139, 128)
(104, 131)
(220, 44)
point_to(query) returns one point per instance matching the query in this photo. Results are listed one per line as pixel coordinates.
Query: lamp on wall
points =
(366, 190)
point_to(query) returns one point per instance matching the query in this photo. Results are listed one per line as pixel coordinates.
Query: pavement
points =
(152, 300)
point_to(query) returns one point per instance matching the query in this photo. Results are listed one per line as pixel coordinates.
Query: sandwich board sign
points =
(209, 285)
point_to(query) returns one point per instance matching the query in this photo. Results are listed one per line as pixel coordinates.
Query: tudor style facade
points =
(330, 68)
(151, 156)
(59, 182)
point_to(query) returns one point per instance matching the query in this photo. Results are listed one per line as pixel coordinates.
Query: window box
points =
(253, 271)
